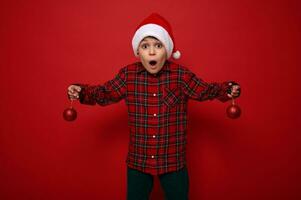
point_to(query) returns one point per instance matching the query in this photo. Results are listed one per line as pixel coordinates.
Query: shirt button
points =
(154, 94)
(155, 114)
(154, 136)
(153, 156)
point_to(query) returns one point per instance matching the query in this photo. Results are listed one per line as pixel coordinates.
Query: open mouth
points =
(152, 62)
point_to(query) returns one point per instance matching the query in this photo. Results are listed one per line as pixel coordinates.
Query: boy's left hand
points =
(235, 90)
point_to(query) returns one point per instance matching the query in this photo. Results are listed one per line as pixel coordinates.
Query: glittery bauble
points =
(70, 114)
(233, 111)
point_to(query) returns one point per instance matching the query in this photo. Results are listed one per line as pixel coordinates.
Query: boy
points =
(156, 91)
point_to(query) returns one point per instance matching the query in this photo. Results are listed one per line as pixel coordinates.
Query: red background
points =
(46, 45)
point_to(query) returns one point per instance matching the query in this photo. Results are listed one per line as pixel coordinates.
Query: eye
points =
(144, 46)
(159, 45)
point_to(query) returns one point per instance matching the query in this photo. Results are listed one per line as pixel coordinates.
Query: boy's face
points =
(152, 54)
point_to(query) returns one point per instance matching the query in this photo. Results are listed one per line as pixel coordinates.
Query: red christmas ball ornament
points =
(233, 111)
(70, 113)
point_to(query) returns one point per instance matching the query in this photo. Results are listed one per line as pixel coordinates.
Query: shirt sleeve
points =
(197, 89)
(110, 92)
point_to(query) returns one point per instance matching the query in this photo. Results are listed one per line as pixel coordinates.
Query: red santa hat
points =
(158, 27)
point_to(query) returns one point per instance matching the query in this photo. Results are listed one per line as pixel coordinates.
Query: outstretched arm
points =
(197, 89)
(110, 92)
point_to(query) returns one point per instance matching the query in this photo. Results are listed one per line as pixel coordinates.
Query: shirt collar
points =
(165, 68)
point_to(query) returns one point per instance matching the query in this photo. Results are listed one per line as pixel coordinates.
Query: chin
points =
(153, 71)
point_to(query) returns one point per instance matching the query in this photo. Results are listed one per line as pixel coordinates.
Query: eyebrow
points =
(157, 41)
(144, 39)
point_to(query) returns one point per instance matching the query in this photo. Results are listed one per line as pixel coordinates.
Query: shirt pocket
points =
(172, 96)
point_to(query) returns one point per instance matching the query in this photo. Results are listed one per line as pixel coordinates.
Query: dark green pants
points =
(175, 185)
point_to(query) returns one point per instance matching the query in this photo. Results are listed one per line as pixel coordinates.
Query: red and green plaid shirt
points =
(157, 109)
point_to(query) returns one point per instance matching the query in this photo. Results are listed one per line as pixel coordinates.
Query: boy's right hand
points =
(73, 92)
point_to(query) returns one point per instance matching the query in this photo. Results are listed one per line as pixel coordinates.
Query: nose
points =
(152, 51)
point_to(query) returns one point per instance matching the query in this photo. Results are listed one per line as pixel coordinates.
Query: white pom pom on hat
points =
(156, 26)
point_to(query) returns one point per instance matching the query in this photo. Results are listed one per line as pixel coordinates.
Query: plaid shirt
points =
(157, 109)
